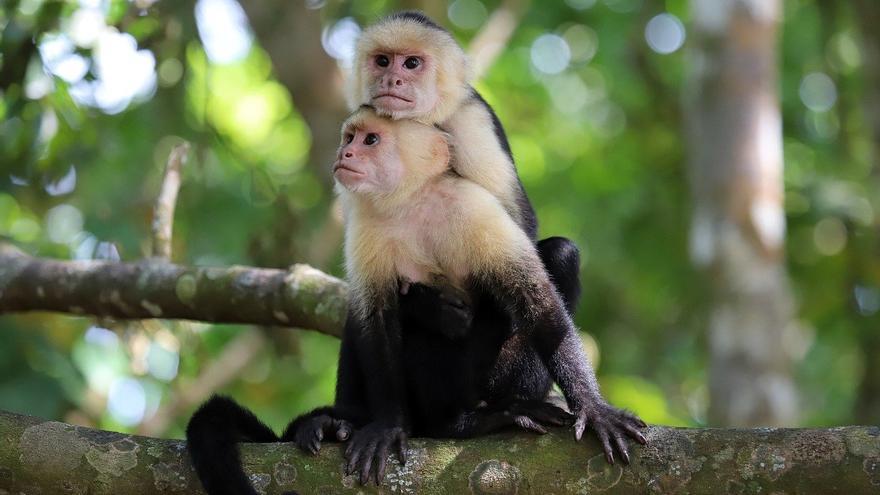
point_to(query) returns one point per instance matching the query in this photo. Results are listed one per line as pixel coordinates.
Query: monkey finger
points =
(635, 434)
(382, 459)
(367, 462)
(401, 449)
(621, 447)
(554, 416)
(343, 430)
(352, 454)
(579, 425)
(527, 423)
(606, 444)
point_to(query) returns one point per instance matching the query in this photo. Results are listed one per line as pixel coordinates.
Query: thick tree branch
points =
(39, 456)
(299, 297)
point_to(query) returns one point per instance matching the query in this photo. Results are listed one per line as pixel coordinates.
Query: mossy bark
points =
(299, 297)
(47, 457)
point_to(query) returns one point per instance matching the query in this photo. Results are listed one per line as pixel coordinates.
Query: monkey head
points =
(408, 67)
(388, 159)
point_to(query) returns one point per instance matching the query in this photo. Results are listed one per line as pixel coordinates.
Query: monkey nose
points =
(348, 154)
(398, 82)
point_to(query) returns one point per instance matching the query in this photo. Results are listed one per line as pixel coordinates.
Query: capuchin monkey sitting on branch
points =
(411, 221)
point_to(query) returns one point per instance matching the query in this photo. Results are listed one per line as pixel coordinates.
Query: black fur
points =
(414, 15)
(212, 437)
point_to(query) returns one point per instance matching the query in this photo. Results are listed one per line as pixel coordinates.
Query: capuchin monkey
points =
(413, 224)
(411, 221)
(408, 67)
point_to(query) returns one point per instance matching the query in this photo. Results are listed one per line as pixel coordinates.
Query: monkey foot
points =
(307, 433)
(611, 425)
(367, 451)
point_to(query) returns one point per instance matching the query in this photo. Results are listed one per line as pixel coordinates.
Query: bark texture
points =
(738, 229)
(46, 457)
(299, 297)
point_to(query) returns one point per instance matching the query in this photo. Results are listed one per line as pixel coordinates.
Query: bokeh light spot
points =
(467, 14)
(224, 30)
(818, 92)
(665, 33)
(126, 401)
(339, 40)
(550, 54)
(829, 235)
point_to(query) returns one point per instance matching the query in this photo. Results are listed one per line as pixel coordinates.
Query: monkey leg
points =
(562, 259)
(530, 415)
(212, 435)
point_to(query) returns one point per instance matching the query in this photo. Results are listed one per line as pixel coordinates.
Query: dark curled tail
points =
(211, 438)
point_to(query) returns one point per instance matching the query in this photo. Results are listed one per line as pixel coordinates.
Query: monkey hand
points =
(442, 310)
(308, 431)
(533, 415)
(610, 424)
(367, 451)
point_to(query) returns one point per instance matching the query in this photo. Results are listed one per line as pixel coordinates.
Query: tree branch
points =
(492, 39)
(299, 297)
(41, 456)
(163, 212)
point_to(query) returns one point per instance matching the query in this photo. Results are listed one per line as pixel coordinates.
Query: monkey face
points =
(402, 85)
(368, 160)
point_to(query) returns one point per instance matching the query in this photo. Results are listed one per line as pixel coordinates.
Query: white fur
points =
(478, 153)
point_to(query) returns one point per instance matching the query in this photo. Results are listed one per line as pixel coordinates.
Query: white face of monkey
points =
(402, 85)
(368, 161)
(388, 158)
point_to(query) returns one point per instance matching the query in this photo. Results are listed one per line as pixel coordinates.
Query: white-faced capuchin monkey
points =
(411, 221)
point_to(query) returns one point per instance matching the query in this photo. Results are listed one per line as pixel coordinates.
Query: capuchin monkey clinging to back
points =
(411, 221)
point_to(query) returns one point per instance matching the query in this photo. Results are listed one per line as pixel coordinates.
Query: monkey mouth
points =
(343, 167)
(392, 95)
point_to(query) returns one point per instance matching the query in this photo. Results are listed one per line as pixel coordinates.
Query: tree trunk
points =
(868, 401)
(290, 32)
(41, 457)
(738, 227)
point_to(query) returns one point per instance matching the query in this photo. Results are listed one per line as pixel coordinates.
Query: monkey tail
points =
(212, 437)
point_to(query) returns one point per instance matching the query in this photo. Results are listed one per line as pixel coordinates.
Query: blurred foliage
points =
(599, 146)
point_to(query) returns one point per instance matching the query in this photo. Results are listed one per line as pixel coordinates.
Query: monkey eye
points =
(412, 62)
(382, 60)
(371, 139)
(349, 137)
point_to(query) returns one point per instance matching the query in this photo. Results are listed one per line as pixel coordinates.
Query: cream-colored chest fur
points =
(414, 243)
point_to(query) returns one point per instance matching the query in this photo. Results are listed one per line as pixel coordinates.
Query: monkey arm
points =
(438, 310)
(482, 155)
(511, 271)
(379, 352)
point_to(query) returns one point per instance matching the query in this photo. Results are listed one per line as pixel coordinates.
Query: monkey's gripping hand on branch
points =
(308, 430)
(611, 425)
(367, 451)
(441, 311)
